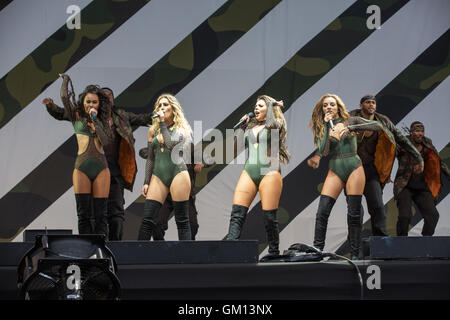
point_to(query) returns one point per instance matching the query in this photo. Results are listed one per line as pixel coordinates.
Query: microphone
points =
(331, 124)
(93, 116)
(250, 115)
(155, 116)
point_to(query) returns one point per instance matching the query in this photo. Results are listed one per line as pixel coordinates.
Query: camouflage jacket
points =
(432, 169)
(388, 141)
(123, 121)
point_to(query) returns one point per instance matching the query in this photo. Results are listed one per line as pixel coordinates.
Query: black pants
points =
(425, 202)
(374, 199)
(116, 210)
(166, 212)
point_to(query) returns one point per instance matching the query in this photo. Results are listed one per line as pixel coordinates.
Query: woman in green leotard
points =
(345, 170)
(262, 170)
(166, 169)
(91, 174)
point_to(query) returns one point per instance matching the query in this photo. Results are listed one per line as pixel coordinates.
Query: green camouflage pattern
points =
(59, 52)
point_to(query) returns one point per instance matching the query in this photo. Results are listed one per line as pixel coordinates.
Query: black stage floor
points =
(150, 278)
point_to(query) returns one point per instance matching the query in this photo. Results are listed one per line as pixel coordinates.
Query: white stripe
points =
(116, 63)
(26, 24)
(366, 69)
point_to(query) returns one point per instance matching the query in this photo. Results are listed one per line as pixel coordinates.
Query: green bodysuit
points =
(259, 161)
(344, 158)
(159, 161)
(91, 162)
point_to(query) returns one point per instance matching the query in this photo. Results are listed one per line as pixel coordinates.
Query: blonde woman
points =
(166, 170)
(262, 170)
(333, 135)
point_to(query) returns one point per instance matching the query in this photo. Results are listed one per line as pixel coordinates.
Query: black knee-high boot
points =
(181, 213)
(354, 224)
(237, 220)
(326, 203)
(273, 236)
(101, 216)
(83, 201)
(149, 220)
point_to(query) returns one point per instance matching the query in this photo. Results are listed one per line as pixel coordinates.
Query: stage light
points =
(68, 267)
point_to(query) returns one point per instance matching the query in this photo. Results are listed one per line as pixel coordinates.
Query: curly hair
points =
(104, 110)
(284, 153)
(317, 124)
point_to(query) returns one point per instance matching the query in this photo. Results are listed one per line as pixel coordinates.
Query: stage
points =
(158, 271)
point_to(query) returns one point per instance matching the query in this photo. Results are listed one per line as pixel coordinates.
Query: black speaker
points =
(68, 267)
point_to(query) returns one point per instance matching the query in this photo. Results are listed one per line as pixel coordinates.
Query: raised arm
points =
(271, 121)
(361, 124)
(404, 142)
(139, 119)
(56, 111)
(69, 106)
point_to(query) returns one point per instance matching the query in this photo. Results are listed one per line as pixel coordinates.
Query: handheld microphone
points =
(250, 115)
(155, 116)
(93, 116)
(331, 124)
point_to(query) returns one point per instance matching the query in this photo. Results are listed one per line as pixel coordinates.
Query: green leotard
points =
(91, 162)
(159, 161)
(259, 162)
(344, 158)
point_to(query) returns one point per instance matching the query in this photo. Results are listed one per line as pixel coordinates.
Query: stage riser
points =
(409, 248)
(157, 252)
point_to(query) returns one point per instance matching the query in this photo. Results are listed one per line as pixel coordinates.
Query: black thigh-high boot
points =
(181, 213)
(101, 216)
(83, 201)
(354, 224)
(273, 236)
(326, 203)
(149, 220)
(237, 220)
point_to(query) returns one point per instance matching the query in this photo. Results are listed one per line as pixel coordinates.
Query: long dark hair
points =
(104, 110)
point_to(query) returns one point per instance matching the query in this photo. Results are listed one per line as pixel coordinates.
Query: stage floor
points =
(427, 279)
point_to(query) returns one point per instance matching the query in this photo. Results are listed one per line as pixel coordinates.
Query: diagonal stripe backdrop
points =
(216, 56)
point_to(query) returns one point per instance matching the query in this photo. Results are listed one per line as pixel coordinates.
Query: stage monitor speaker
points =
(389, 248)
(30, 235)
(68, 267)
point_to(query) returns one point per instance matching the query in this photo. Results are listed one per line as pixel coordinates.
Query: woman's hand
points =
(145, 190)
(92, 112)
(314, 162)
(47, 101)
(245, 118)
(160, 113)
(279, 103)
(328, 117)
(198, 167)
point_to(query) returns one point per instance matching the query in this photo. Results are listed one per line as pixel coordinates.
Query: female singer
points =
(166, 170)
(333, 135)
(91, 175)
(262, 170)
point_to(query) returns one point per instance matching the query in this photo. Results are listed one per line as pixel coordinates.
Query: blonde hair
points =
(316, 124)
(279, 116)
(180, 123)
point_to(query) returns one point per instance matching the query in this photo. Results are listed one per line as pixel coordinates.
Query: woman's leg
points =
(331, 189)
(270, 192)
(156, 195)
(244, 194)
(82, 189)
(100, 192)
(180, 190)
(354, 189)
